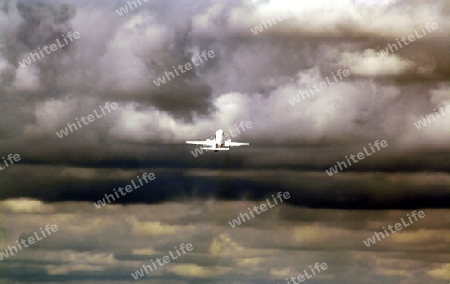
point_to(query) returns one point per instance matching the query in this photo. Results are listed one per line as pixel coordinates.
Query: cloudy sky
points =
(251, 78)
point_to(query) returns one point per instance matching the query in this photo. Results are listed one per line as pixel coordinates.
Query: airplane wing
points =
(202, 143)
(228, 143)
(216, 149)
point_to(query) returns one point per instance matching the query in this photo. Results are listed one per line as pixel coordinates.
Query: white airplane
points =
(218, 143)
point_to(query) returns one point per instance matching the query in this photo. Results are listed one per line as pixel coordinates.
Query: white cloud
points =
(370, 64)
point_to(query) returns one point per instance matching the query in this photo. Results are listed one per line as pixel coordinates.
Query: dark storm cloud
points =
(39, 25)
(184, 101)
(353, 190)
(242, 64)
(42, 23)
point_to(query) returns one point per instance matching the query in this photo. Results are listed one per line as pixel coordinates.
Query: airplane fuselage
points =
(219, 138)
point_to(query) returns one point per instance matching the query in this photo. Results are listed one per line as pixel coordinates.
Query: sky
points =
(254, 76)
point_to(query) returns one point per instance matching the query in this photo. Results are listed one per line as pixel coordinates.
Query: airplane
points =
(218, 143)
